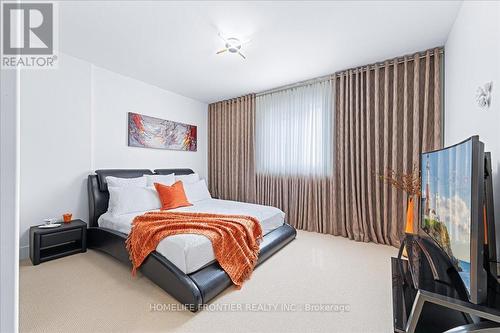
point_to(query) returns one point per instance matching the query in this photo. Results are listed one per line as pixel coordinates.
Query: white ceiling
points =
(172, 44)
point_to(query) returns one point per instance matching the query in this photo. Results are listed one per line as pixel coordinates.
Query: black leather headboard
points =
(176, 171)
(98, 187)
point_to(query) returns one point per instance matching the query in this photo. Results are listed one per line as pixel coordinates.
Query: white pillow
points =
(197, 191)
(126, 182)
(188, 179)
(162, 179)
(132, 199)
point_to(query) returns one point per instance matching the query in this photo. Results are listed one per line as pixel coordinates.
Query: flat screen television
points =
(452, 209)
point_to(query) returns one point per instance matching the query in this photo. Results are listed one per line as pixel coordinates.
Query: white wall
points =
(472, 58)
(9, 200)
(114, 96)
(74, 120)
(55, 143)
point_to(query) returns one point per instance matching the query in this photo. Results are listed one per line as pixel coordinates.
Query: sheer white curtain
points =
(294, 131)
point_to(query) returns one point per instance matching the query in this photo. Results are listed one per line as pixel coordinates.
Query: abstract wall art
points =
(150, 132)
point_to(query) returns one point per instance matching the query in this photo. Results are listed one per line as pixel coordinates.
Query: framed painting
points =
(151, 132)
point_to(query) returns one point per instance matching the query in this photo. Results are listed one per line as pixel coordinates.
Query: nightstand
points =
(48, 244)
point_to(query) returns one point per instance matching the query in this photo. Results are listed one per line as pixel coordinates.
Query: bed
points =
(182, 265)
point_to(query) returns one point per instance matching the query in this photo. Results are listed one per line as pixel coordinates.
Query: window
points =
(293, 131)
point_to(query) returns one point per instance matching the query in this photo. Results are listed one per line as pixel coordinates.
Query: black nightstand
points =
(48, 244)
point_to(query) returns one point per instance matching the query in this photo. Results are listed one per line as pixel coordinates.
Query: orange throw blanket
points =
(235, 238)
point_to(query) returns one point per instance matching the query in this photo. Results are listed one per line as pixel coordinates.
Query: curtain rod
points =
(323, 78)
(398, 60)
(296, 84)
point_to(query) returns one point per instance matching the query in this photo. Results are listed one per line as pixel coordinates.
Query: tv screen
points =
(446, 203)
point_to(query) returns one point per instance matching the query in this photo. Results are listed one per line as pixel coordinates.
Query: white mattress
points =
(191, 252)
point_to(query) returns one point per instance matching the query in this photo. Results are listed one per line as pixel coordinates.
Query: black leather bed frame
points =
(192, 290)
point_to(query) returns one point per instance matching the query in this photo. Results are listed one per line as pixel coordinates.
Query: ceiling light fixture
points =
(232, 45)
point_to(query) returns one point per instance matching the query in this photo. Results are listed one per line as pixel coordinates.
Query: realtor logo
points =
(28, 35)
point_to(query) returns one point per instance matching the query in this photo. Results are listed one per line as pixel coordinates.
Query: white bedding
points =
(191, 252)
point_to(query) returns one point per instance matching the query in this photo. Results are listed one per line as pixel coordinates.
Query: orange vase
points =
(410, 228)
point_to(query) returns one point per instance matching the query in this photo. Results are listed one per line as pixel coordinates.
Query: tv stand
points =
(419, 310)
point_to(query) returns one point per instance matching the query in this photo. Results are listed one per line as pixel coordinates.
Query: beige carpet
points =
(92, 292)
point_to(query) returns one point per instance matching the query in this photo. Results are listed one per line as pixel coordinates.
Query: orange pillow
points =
(172, 196)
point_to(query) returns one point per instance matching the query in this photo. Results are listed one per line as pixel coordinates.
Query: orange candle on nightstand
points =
(67, 217)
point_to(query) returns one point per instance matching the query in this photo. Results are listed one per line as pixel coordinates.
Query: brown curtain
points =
(231, 136)
(307, 201)
(386, 115)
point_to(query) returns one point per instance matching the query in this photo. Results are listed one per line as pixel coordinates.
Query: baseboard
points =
(24, 252)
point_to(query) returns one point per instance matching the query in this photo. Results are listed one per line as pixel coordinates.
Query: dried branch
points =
(406, 182)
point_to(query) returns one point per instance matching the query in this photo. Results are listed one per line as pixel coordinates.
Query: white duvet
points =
(191, 252)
